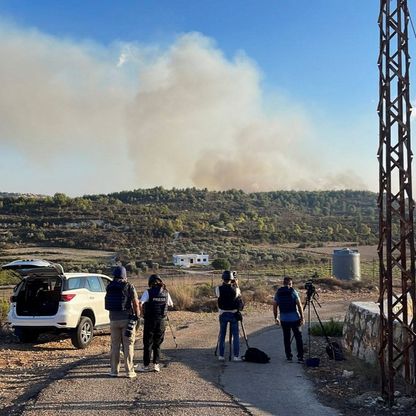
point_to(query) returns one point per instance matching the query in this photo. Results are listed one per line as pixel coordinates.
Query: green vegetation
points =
(4, 308)
(221, 264)
(332, 329)
(8, 278)
(153, 224)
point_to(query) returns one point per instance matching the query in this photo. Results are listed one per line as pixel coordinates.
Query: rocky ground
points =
(349, 385)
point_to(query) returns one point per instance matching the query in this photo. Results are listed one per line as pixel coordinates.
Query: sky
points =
(99, 96)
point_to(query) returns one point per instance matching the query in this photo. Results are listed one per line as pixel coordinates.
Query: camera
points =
(130, 326)
(310, 289)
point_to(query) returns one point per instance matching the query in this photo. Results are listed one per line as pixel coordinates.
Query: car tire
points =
(83, 333)
(26, 335)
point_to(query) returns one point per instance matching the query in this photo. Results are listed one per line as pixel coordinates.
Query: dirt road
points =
(192, 381)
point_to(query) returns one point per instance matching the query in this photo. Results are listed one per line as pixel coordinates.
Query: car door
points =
(96, 299)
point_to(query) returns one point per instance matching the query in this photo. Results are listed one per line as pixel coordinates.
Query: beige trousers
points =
(118, 338)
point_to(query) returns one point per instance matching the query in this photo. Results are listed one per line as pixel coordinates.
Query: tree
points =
(221, 264)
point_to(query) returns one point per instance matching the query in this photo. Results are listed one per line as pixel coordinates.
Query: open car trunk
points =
(39, 296)
(39, 292)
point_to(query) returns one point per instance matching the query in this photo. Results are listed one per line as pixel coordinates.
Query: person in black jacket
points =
(155, 301)
(229, 301)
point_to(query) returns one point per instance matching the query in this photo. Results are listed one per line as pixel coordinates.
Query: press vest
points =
(157, 305)
(227, 301)
(286, 299)
(117, 297)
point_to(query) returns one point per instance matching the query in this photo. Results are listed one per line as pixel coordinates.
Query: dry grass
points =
(183, 294)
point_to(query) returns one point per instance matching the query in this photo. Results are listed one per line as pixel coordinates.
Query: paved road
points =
(192, 382)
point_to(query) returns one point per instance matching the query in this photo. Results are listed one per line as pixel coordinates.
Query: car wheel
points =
(82, 336)
(26, 334)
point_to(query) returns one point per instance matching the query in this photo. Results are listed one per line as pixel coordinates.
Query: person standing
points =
(287, 301)
(229, 303)
(155, 302)
(122, 301)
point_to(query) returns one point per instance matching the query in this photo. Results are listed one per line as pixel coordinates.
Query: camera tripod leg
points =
(230, 338)
(244, 333)
(171, 331)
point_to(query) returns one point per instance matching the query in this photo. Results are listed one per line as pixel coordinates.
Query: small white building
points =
(188, 260)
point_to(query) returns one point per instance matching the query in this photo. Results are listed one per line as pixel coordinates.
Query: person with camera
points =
(155, 302)
(122, 302)
(229, 306)
(287, 301)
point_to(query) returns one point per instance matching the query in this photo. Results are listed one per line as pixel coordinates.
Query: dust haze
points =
(132, 115)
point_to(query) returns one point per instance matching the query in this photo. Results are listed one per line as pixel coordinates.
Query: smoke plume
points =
(130, 116)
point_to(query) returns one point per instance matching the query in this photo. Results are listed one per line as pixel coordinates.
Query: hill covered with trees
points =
(156, 223)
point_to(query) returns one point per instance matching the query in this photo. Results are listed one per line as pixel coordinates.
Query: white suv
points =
(47, 299)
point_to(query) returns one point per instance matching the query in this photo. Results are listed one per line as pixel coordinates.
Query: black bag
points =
(254, 355)
(238, 316)
(334, 351)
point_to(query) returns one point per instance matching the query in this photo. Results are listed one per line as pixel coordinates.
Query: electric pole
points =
(396, 249)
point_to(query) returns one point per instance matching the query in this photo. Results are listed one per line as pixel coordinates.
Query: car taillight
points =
(67, 297)
(12, 299)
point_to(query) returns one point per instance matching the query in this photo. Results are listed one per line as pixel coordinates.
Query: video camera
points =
(310, 289)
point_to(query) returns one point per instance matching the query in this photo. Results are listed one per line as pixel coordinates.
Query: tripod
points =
(333, 349)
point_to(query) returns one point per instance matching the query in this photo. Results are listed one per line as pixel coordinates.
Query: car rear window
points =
(94, 284)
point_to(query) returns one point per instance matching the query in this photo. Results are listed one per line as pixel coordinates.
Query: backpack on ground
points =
(117, 297)
(334, 351)
(254, 355)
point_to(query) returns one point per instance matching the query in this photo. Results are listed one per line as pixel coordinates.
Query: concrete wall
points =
(361, 330)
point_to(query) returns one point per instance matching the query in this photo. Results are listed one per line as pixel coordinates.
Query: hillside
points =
(155, 223)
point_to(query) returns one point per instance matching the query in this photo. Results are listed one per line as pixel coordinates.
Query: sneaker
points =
(132, 374)
(300, 360)
(113, 374)
(221, 358)
(237, 359)
(156, 367)
(289, 358)
(144, 369)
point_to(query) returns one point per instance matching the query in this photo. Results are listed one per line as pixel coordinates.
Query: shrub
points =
(8, 277)
(332, 329)
(221, 264)
(205, 290)
(4, 308)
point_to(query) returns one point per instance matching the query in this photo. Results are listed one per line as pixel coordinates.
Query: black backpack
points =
(334, 351)
(254, 355)
(117, 297)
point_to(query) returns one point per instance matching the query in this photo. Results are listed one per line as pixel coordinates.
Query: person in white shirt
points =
(155, 302)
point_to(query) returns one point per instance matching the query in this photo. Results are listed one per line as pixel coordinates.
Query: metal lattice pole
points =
(396, 237)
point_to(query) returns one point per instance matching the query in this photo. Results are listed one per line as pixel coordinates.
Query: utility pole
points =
(396, 249)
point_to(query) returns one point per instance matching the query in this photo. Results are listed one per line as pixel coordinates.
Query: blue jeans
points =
(226, 317)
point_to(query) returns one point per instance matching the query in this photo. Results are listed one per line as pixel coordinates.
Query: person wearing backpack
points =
(155, 302)
(229, 305)
(287, 301)
(122, 302)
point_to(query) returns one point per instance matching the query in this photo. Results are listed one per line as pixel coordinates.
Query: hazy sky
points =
(102, 96)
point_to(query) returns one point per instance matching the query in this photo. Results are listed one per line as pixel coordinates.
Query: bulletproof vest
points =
(117, 297)
(157, 305)
(227, 300)
(286, 299)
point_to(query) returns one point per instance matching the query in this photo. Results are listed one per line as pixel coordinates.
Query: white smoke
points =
(188, 117)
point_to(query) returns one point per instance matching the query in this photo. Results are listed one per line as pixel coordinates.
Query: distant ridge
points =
(20, 195)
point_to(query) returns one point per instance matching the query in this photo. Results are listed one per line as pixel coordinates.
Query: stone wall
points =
(361, 330)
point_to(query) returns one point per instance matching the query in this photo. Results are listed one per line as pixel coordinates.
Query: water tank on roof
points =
(346, 264)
